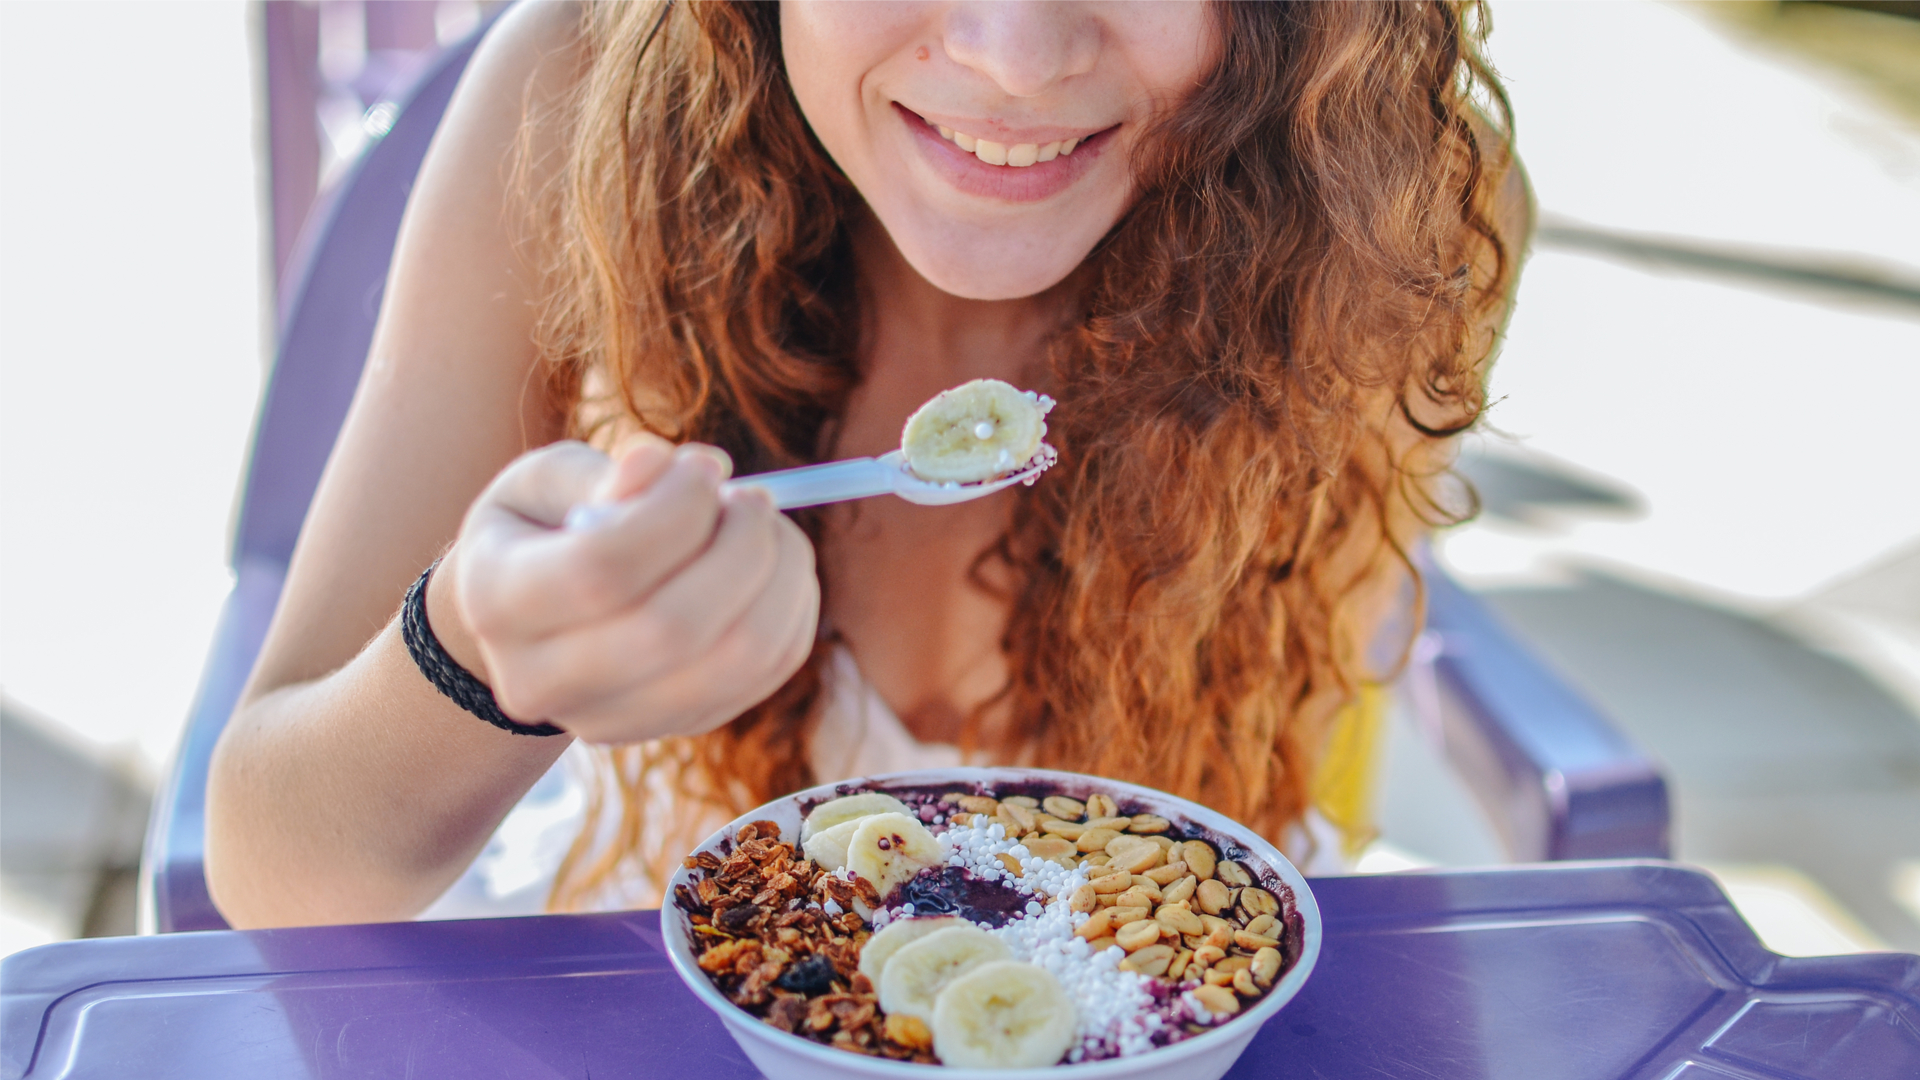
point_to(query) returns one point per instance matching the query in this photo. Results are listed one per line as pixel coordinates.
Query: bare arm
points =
(345, 787)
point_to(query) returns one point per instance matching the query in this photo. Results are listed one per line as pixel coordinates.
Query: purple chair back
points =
(338, 275)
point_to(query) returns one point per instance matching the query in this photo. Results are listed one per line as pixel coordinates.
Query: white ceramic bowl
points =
(783, 1056)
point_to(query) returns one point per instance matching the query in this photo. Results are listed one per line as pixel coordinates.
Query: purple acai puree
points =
(952, 890)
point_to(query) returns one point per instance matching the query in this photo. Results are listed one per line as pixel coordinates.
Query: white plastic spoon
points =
(854, 478)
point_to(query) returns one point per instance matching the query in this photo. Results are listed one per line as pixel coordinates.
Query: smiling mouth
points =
(1010, 155)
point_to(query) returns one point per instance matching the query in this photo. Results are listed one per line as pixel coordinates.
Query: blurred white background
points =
(132, 333)
(1764, 429)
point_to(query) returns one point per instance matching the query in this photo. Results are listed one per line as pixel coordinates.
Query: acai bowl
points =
(957, 923)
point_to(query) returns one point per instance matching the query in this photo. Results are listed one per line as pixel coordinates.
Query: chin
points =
(997, 272)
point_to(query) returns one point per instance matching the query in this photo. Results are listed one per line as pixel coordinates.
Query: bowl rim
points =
(674, 932)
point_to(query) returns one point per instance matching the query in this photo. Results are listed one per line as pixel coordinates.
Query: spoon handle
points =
(836, 481)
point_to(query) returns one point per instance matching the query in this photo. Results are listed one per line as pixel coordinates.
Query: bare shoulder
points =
(518, 85)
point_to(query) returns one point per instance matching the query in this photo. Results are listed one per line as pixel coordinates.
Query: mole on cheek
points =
(922, 54)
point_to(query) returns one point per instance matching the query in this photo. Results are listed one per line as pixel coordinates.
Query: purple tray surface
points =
(1636, 970)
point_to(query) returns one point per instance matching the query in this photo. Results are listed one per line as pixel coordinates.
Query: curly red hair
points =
(1292, 318)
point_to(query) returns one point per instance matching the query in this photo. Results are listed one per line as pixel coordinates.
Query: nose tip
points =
(1026, 47)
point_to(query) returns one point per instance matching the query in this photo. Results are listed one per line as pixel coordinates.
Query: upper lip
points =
(1001, 132)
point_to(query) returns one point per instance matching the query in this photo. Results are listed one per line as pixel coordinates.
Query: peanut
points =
(1149, 823)
(1234, 963)
(1216, 977)
(1123, 915)
(1216, 1000)
(1012, 864)
(1146, 885)
(1069, 830)
(1101, 923)
(1101, 806)
(1165, 875)
(1233, 873)
(1166, 844)
(1220, 936)
(1138, 935)
(979, 804)
(1151, 960)
(1178, 969)
(1253, 942)
(1266, 966)
(1019, 816)
(1199, 857)
(1115, 882)
(1137, 898)
(1256, 902)
(1117, 824)
(1096, 859)
(1243, 984)
(1027, 801)
(1095, 840)
(1263, 926)
(1130, 853)
(1180, 890)
(1178, 918)
(1213, 897)
(1083, 899)
(1049, 848)
(1208, 955)
(1103, 943)
(1062, 807)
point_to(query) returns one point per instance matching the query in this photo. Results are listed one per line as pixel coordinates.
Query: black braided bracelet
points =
(445, 673)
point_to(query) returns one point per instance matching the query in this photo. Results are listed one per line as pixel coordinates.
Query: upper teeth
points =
(1019, 155)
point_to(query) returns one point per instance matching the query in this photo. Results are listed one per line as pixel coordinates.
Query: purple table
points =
(1606, 970)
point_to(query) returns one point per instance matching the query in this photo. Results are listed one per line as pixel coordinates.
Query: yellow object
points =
(1343, 790)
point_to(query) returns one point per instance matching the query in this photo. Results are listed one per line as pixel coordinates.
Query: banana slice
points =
(975, 431)
(829, 846)
(918, 971)
(828, 814)
(1003, 1015)
(896, 935)
(887, 849)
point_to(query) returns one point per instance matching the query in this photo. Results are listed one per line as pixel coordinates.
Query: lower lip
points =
(1006, 183)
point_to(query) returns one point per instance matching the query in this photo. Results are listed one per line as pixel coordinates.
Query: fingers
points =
(679, 609)
(638, 460)
(671, 628)
(762, 649)
(546, 580)
(688, 693)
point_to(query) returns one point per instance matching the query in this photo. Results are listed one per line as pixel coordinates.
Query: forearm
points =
(357, 797)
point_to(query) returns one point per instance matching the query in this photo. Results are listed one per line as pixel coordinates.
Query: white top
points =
(858, 735)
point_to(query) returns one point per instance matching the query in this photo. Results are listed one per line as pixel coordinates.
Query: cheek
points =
(830, 47)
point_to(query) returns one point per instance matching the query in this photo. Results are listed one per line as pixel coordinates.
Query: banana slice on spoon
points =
(968, 442)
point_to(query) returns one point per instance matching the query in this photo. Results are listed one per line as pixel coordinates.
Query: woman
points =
(1262, 272)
